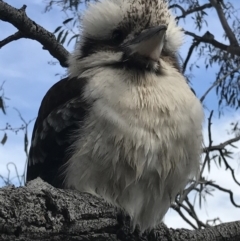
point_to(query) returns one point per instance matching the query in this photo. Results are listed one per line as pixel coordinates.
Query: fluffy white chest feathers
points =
(124, 124)
(141, 143)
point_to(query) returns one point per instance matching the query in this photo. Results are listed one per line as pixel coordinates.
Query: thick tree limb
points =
(41, 212)
(231, 36)
(30, 29)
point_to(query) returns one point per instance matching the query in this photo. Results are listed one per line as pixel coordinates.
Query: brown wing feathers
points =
(60, 114)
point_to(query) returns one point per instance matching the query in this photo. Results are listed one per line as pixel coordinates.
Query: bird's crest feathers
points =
(101, 18)
(132, 17)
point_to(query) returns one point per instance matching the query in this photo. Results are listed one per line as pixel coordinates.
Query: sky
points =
(27, 76)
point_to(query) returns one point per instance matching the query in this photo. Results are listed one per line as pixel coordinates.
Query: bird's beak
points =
(149, 43)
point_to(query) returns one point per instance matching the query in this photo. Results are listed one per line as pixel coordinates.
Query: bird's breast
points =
(140, 143)
(158, 120)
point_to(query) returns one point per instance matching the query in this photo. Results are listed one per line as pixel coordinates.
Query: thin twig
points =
(207, 158)
(217, 82)
(178, 210)
(221, 145)
(192, 214)
(16, 171)
(26, 142)
(200, 223)
(229, 167)
(210, 183)
(190, 51)
(16, 36)
(189, 11)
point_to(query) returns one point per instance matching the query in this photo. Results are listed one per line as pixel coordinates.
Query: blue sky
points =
(27, 75)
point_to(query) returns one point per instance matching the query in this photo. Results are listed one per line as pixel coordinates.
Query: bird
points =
(124, 124)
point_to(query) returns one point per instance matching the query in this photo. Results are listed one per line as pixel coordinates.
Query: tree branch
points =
(190, 51)
(209, 38)
(16, 36)
(179, 211)
(222, 145)
(231, 36)
(191, 10)
(42, 212)
(210, 183)
(190, 210)
(229, 167)
(217, 82)
(179, 7)
(30, 29)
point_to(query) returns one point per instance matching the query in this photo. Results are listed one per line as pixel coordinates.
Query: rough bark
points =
(42, 212)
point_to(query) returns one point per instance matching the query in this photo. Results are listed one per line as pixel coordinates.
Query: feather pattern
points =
(61, 110)
(118, 128)
(141, 143)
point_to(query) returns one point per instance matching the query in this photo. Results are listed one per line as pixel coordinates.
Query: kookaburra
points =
(124, 125)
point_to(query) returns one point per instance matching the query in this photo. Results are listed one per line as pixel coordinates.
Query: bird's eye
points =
(117, 36)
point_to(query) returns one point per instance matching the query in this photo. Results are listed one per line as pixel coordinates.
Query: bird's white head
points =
(130, 33)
